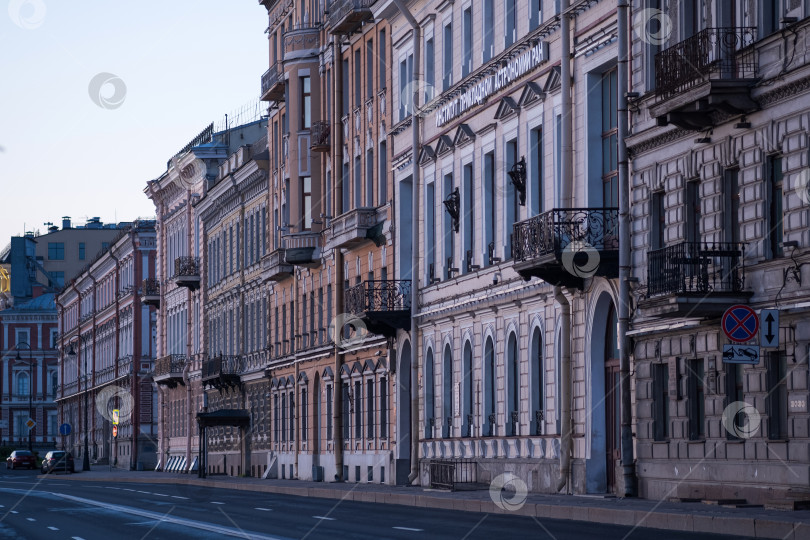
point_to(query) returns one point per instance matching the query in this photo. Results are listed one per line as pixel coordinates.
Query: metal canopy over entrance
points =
(224, 417)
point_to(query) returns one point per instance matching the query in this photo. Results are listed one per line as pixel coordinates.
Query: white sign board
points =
(741, 354)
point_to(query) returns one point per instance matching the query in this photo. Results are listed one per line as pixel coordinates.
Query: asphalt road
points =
(54, 508)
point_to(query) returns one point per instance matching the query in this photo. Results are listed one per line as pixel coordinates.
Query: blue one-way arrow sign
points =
(769, 328)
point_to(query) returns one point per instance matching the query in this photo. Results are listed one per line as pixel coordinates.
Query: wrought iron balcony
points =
(223, 371)
(319, 136)
(354, 228)
(273, 83)
(169, 370)
(384, 306)
(695, 279)
(346, 15)
(566, 245)
(301, 249)
(707, 74)
(187, 272)
(150, 292)
(274, 266)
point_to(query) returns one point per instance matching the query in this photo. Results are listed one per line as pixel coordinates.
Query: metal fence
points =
(448, 473)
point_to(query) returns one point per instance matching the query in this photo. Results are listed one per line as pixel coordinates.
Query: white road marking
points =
(148, 493)
(53, 528)
(77, 538)
(264, 509)
(160, 494)
(210, 527)
(127, 489)
(408, 529)
(30, 519)
(324, 517)
(14, 512)
(179, 497)
(214, 502)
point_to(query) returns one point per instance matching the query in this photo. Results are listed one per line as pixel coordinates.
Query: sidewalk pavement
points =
(692, 517)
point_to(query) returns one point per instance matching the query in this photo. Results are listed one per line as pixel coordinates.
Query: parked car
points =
(57, 460)
(19, 459)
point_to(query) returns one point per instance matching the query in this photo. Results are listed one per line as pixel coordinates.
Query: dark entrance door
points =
(612, 401)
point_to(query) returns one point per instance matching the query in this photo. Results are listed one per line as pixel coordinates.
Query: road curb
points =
(665, 520)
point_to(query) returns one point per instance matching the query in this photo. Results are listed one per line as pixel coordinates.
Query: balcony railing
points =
(171, 365)
(150, 292)
(105, 374)
(346, 15)
(319, 136)
(187, 272)
(567, 244)
(696, 268)
(713, 53)
(70, 388)
(275, 267)
(377, 295)
(125, 365)
(300, 248)
(273, 83)
(224, 370)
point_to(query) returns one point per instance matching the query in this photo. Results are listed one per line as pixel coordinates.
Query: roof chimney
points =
(66, 222)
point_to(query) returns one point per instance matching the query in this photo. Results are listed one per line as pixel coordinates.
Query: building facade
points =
(719, 161)
(106, 349)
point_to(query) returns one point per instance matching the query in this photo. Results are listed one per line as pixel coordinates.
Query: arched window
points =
(513, 381)
(467, 389)
(489, 387)
(536, 368)
(447, 393)
(430, 395)
(22, 384)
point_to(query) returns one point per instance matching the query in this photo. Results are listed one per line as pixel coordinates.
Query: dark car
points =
(19, 459)
(57, 460)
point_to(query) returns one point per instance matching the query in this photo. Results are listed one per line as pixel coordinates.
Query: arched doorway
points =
(604, 396)
(403, 465)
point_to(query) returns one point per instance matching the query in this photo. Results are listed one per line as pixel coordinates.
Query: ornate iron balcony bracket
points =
(518, 176)
(452, 204)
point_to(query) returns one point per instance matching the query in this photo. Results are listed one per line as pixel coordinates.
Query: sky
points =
(96, 96)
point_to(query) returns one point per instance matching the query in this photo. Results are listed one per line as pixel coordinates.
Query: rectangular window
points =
(734, 393)
(535, 13)
(536, 156)
(696, 399)
(358, 78)
(346, 93)
(775, 225)
(489, 30)
(383, 407)
(469, 217)
(511, 194)
(382, 174)
(346, 413)
(306, 202)
(305, 336)
(58, 278)
(430, 69)
(369, 69)
(658, 220)
(292, 417)
(466, 66)
(346, 190)
(660, 402)
(610, 145)
(777, 396)
(511, 23)
(370, 424)
(405, 76)
(304, 414)
(306, 103)
(448, 228)
(81, 251)
(56, 251)
(369, 178)
(489, 207)
(358, 183)
(692, 211)
(329, 412)
(383, 68)
(430, 231)
(557, 159)
(358, 410)
(447, 79)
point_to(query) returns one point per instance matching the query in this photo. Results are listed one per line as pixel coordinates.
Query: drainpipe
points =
(565, 387)
(337, 175)
(628, 467)
(567, 199)
(189, 331)
(416, 85)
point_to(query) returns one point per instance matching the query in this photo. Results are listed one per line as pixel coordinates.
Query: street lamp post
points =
(30, 390)
(86, 459)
